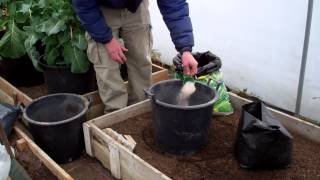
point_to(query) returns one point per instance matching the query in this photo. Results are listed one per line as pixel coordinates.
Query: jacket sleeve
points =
(93, 20)
(176, 16)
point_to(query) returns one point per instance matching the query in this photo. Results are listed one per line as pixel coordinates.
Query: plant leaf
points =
(51, 26)
(32, 51)
(51, 52)
(78, 58)
(79, 41)
(24, 7)
(41, 4)
(12, 7)
(11, 44)
(3, 1)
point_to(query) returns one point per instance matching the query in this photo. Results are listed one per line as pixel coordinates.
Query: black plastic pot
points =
(181, 130)
(20, 72)
(60, 79)
(55, 122)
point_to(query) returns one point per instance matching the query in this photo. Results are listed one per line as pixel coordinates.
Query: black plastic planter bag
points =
(262, 142)
(8, 115)
(209, 74)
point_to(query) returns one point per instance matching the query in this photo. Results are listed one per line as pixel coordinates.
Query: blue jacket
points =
(175, 14)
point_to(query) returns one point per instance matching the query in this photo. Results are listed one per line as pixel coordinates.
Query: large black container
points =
(20, 72)
(55, 122)
(181, 130)
(60, 79)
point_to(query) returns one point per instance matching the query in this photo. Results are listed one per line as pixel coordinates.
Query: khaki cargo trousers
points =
(135, 31)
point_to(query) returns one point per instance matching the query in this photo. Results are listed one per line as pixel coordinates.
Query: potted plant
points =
(13, 58)
(56, 45)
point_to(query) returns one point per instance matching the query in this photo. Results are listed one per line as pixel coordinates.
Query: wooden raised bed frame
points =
(125, 164)
(11, 95)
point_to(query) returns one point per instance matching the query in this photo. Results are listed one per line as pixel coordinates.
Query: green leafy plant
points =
(48, 31)
(13, 16)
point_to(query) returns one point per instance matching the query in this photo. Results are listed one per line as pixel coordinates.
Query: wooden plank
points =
(117, 116)
(131, 141)
(114, 161)
(21, 144)
(95, 111)
(97, 106)
(119, 138)
(101, 153)
(5, 98)
(47, 161)
(94, 96)
(304, 128)
(156, 68)
(160, 76)
(132, 166)
(12, 91)
(87, 138)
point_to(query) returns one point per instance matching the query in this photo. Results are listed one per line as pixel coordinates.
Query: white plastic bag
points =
(5, 163)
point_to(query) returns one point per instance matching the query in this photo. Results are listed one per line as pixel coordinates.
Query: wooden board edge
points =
(107, 140)
(160, 76)
(15, 93)
(159, 67)
(294, 124)
(87, 138)
(43, 157)
(122, 114)
(101, 153)
(115, 160)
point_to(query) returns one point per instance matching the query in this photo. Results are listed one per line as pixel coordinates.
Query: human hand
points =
(116, 51)
(190, 65)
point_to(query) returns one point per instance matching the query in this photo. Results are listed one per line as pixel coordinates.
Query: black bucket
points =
(55, 122)
(181, 130)
(20, 72)
(60, 79)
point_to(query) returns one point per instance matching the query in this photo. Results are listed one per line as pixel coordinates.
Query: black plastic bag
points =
(262, 142)
(8, 116)
(207, 63)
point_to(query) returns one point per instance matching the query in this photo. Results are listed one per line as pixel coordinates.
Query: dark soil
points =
(34, 167)
(86, 168)
(216, 161)
(35, 91)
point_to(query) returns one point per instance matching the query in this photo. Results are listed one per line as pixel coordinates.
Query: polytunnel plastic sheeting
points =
(260, 43)
(310, 106)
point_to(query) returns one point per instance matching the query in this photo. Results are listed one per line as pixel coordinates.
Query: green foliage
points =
(10, 43)
(47, 30)
(13, 18)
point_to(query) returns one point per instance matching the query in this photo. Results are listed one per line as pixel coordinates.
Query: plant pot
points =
(55, 122)
(181, 130)
(20, 72)
(60, 79)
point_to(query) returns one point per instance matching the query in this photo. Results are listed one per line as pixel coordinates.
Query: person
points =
(119, 32)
